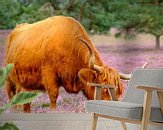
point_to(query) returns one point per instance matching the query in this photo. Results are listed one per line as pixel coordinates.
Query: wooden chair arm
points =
(159, 93)
(150, 88)
(98, 87)
(101, 85)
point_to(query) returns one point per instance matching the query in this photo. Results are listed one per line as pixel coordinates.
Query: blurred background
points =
(127, 33)
(97, 16)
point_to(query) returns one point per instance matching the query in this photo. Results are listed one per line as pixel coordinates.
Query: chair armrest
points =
(101, 85)
(150, 88)
(98, 87)
(159, 93)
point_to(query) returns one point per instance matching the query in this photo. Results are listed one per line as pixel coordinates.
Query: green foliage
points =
(4, 72)
(45, 105)
(12, 12)
(20, 99)
(9, 126)
(8, 10)
(24, 97)
(137, 17)
(97, 16)
(152, 21)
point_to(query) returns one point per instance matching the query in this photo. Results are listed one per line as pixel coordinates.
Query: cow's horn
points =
(125, 76)
(98, 68)
(145, 65)
(92, 57)
(128, 76)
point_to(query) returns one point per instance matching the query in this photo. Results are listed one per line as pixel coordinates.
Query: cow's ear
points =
(87, 75)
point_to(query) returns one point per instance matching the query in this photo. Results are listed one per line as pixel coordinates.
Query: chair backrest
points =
(144, 77)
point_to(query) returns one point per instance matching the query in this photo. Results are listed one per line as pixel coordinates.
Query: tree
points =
(97, 16)
(139, 17)
(152, 24)
(8, 10)
(130, 17)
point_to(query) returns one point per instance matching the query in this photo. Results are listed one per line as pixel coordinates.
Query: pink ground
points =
(122, 55)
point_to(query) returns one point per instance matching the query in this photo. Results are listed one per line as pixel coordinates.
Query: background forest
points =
(129, 17)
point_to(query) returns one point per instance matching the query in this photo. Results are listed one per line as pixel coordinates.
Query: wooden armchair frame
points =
(146, 106)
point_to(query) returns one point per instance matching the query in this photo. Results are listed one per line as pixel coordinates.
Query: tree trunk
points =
(55, 7)
(81, 11)
(157, 2)
(69, 5)
(157, 46)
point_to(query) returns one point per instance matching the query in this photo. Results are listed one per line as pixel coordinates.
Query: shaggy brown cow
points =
(50, 53)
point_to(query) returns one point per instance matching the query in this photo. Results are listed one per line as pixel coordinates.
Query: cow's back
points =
(53, 42)
(36, 41)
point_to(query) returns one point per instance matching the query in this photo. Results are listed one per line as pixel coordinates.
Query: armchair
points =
(142, 104)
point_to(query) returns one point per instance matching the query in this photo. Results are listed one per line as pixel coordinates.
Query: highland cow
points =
(56, 52)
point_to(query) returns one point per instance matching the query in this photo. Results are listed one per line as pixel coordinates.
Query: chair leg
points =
(124, 125)
(146, 109)
(94, 122)
(144, 126)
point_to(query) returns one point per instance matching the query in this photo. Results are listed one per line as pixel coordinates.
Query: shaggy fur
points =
(48, 54)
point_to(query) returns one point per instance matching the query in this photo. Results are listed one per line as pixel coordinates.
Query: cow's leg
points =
(10, 88)
(53, 94)
(50, 82)
(11, 91)
(27, 108)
